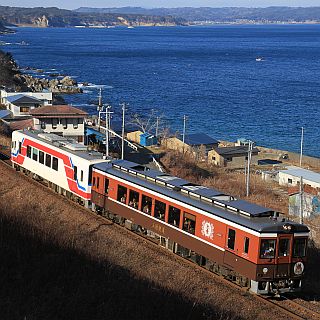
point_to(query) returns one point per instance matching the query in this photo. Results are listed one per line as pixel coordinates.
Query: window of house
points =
(159, 210)
(289, 181)
(174, 216)
(55, 163)
(284, 247)
(133, 199)
(41, 157)
(231, 238)
(75, 123)
(81, 175)
(24, 109)
(146, 204)
(228, 159)
(54, 123)
(36, 105)
(189, 223)
(29, 151)
(214, 158)
(122, 194)
(48, 160)
(106, 185)
(64, 123)
(75, 172)
(246, 245)
(35, 154)
(299, 247)
(267, 249)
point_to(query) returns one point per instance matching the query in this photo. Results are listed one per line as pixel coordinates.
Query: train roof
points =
(214, 202)
(64, 143)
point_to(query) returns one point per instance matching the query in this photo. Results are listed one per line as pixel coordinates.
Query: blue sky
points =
(72, 4)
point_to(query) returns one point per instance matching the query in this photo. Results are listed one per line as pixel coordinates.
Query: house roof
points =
(304, 173)
(23, 99)
(197, 139)
(4, 114)
(228, 151)
(58, 111)
(21, 124)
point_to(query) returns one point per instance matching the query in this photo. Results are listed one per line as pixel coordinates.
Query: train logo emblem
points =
(207, 229)
(298, 268)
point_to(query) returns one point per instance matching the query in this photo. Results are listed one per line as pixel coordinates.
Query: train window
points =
(106, 185)
(246, 245)
(268, 248)
(81, 175)
(134, 199)
(146, 204)
(94, 182)
(174, 216)
(28, 151)
(41, 157)
(189, 223)
(75, 172)
(35, 154)
(54, 123)
(299, 247)
(48, 160)
(231, 238)
(284, 247)
(98, 182)
(20, 145)
(159, 210)
(55, 163)
(122, 194)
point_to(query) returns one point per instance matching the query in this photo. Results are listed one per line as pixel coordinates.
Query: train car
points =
(248, 243)
(62, 163)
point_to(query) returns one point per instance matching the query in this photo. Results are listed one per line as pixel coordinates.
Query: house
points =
(196, 143)
(292, 175)
(21, 103)
(147, 139)
(63, 120)
(232, 157)
(134, 136)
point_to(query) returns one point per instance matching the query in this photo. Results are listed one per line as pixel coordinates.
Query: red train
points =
(240, 240)
(245, 242)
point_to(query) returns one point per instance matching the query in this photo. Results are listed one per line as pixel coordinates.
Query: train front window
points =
(299, 247)
(268, 248)
(284, 247)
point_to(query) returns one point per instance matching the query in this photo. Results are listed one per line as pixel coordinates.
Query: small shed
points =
(148, 139)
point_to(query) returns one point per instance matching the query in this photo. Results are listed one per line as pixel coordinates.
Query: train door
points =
(284, 257)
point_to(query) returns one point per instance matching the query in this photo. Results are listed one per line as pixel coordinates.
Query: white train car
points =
(61, 162)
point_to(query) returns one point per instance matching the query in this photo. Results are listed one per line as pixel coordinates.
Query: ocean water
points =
(209, 74)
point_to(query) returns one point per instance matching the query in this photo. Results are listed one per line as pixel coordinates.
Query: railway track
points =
(290, 308)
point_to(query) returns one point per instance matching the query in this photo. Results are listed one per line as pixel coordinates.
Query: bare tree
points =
(148, 122)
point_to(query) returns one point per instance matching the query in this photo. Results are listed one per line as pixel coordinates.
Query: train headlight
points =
(287, 227)
(265, 270)
(298, 268)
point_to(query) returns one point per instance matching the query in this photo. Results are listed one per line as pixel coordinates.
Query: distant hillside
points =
(228, 15)
(54, 17)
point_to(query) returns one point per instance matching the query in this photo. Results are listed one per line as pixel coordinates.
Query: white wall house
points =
(291, 177)
(21, 103)
(63, 120)
(45, 96)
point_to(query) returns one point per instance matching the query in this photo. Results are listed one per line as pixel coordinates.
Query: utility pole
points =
(184, 131)
(107, 112)
(301, 146)
(100, 108)
(301, 200)
(250, 147)
(123, 105)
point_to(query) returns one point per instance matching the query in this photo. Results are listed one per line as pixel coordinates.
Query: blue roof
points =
(21, 98)
(197, 139)
(4, 113)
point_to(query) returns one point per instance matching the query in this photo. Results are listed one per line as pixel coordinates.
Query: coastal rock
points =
(68, 81)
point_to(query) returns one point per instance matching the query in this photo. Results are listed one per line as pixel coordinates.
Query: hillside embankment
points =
(62, 262)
